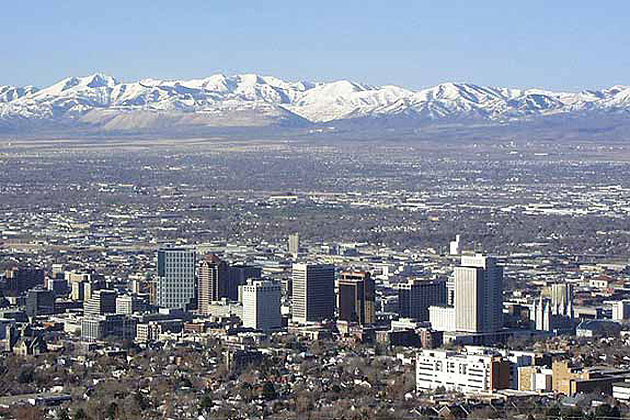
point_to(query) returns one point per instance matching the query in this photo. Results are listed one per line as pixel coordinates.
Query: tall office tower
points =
(19, 280)
(562, 299)
(213, 280)
(152, 290)
(450, 291)
(78, 282)
(40, 302)
(237, 276)
(294, 244)
(415, 297)
(83, 284)
(356, 297)
(88, 289)
(261, 305)
(102, 302)
(176, 286)
(455, 246)
(78, 290)
(313, 292)
(478, 295)
(57, 271)
(129, 304)
(58, 285)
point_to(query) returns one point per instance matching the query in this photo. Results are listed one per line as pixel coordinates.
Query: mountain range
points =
(100, 103)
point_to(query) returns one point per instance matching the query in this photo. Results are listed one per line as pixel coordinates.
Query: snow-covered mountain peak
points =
(617, 88)
(100, 100)
(97, 80)
(11, 93)
(78, 85)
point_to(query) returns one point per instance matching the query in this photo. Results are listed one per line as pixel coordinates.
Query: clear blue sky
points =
(552, 43)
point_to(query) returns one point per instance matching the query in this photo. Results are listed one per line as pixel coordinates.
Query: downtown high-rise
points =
(416, 296)
(478, 295)
(356, 299)
(176, 277)
(261, 305)
(313, 292)
(213, 282)
(293, 245)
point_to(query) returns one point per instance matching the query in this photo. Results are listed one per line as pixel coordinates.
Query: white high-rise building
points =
(478, 295)
(442, 318)
(176, 277)
(127, 304)
(261, 305)
(294, 244)
(455, 246)
(313, 292)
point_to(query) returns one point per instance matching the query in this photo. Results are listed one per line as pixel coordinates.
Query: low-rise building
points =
(535, 378)
(238, 359)
(621, 391)
(571, 380)
(462, 372)
(598, 328)
(100, 327)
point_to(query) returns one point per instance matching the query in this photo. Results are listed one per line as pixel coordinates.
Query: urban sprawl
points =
(191, 291)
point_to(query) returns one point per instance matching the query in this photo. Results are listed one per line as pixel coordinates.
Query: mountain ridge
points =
(100, 102)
